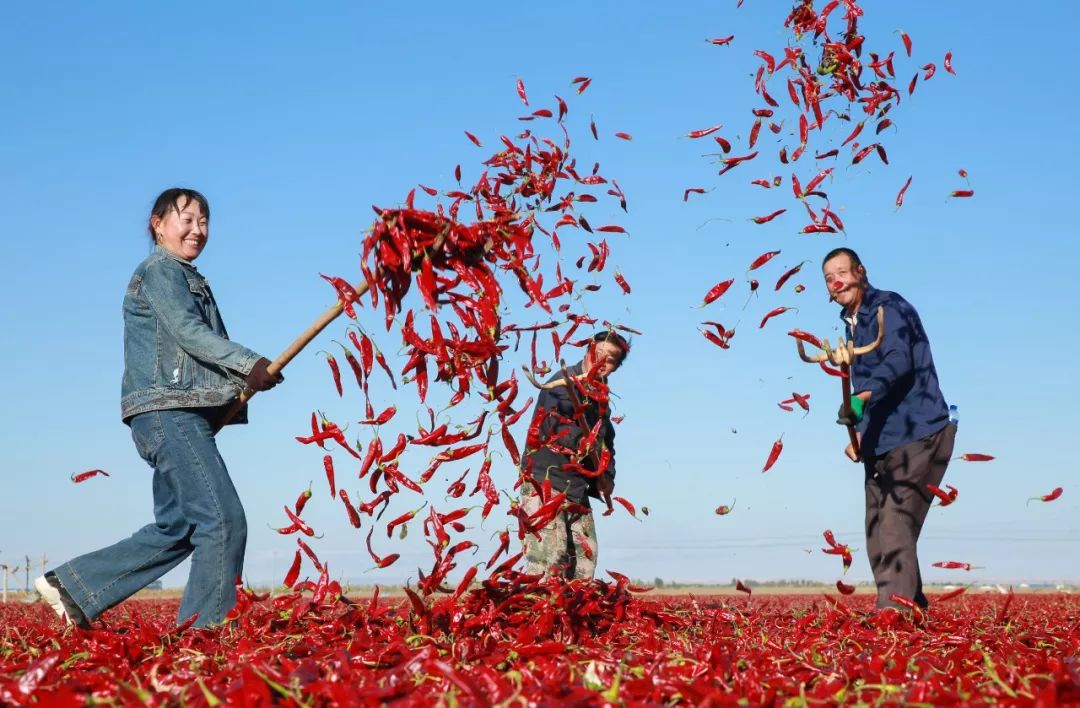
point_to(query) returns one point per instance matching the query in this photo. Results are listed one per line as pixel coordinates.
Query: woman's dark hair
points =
(842, 251)
(170, 200)
(614, 338)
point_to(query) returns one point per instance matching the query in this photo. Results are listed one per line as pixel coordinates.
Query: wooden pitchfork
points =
(309, 334)
(843, 356)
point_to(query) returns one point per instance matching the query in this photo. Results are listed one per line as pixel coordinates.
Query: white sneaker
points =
(52, 592)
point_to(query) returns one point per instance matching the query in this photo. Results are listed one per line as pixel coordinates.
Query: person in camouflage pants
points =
(567, 546)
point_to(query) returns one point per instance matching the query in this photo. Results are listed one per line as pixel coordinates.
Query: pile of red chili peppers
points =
(520, 638)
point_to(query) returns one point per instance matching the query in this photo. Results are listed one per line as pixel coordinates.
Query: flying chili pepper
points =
(310, 554)
(907, 41)
(799, 288)
(1048, 497)
(694, 134)
(725, 509)
(692, 190)
(302, 500)
(844, 588)
(354, 515)
(299, 523)
(774, 454)
(975, 457)
(742, 588)
(954, 565)
(773, 313)
(626, 505)
(382, 418)
(624, 136)
(962, 193)
(583, 85)
(622, 282)
(83, 476)
(380, 562)
(332, 362)
(328, 465)
(716, 291)
(294, 571)
(475, 141)
(721, 41)
(945, 497)
(806, 337)
(900, 195)
(521, 91)
(767, 218)
(951, 594)
(762, 260)
(948, 63)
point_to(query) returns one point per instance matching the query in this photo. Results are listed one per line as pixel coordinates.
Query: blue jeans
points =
(197, 512)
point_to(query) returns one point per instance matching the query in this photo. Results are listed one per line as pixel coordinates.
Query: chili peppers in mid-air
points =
(1055, 494)
(83, 476)
(774, 454)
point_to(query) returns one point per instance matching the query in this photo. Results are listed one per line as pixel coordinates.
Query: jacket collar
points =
(866, 307)
(162, 251)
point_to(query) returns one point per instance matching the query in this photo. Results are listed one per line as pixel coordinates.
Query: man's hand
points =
(850, 451)
(260, 379)
(852, 416)
(605, 485)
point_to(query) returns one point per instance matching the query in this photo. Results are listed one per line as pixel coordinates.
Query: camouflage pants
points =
(567, 545)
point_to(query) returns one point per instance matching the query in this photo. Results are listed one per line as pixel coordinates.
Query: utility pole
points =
(27, 573)
(44, 563)
(4, 570)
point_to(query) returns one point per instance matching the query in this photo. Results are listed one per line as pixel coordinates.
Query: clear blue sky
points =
(294, 121)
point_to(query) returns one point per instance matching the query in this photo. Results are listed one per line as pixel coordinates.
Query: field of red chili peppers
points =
(516, 639)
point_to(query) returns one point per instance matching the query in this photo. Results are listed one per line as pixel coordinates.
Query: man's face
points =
(607, 354)
(844, 280)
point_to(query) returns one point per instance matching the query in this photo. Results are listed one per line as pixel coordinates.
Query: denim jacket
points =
(177, 353)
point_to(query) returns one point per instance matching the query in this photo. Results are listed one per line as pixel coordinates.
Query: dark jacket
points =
(544, 462)
(906, 404)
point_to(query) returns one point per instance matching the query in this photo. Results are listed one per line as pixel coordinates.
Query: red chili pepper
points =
(767, 218)
(806, 337)
(907, 41)
(948, 63)
(725, 509)
(624, 136)
(774, 454)
(475, 141)
(293, 572)
(380, 562)
(335, 371)
(901, 600)
(583, 85)
(900, 195)
(694, 134)
(721, 41)
(328, 465)
(773, 313)
(717, 290)
(310, 554)
(975, 457)
(844, 588)
(354, 515)
(301, 501)
(299, 523)
(854, 133)
(930, 70)
(762, 260)
(945, 497)
(962, 193)
(832, 372)
(403, 519)
(626, 505)
(521, 91)
(382, 418)
(692, 190)
(951, 594)
(83, 476)
(622, 283)
(742, 588)
(1048, 497)
(954, 565)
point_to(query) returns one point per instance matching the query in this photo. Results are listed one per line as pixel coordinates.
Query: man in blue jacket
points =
(905, 437)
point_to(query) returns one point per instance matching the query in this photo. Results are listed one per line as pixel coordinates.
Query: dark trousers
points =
(896, 504)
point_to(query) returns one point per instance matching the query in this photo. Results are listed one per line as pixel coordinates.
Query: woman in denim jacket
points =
(180, 373)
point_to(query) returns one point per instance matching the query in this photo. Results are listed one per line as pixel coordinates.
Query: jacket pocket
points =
(148, 435)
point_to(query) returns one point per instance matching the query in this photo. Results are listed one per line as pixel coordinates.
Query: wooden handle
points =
(845, 387)
(290, 353)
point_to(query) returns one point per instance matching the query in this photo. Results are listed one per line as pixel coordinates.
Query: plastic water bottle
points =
(954, 415)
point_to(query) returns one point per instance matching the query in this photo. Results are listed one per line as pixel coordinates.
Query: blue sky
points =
(293, 122)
